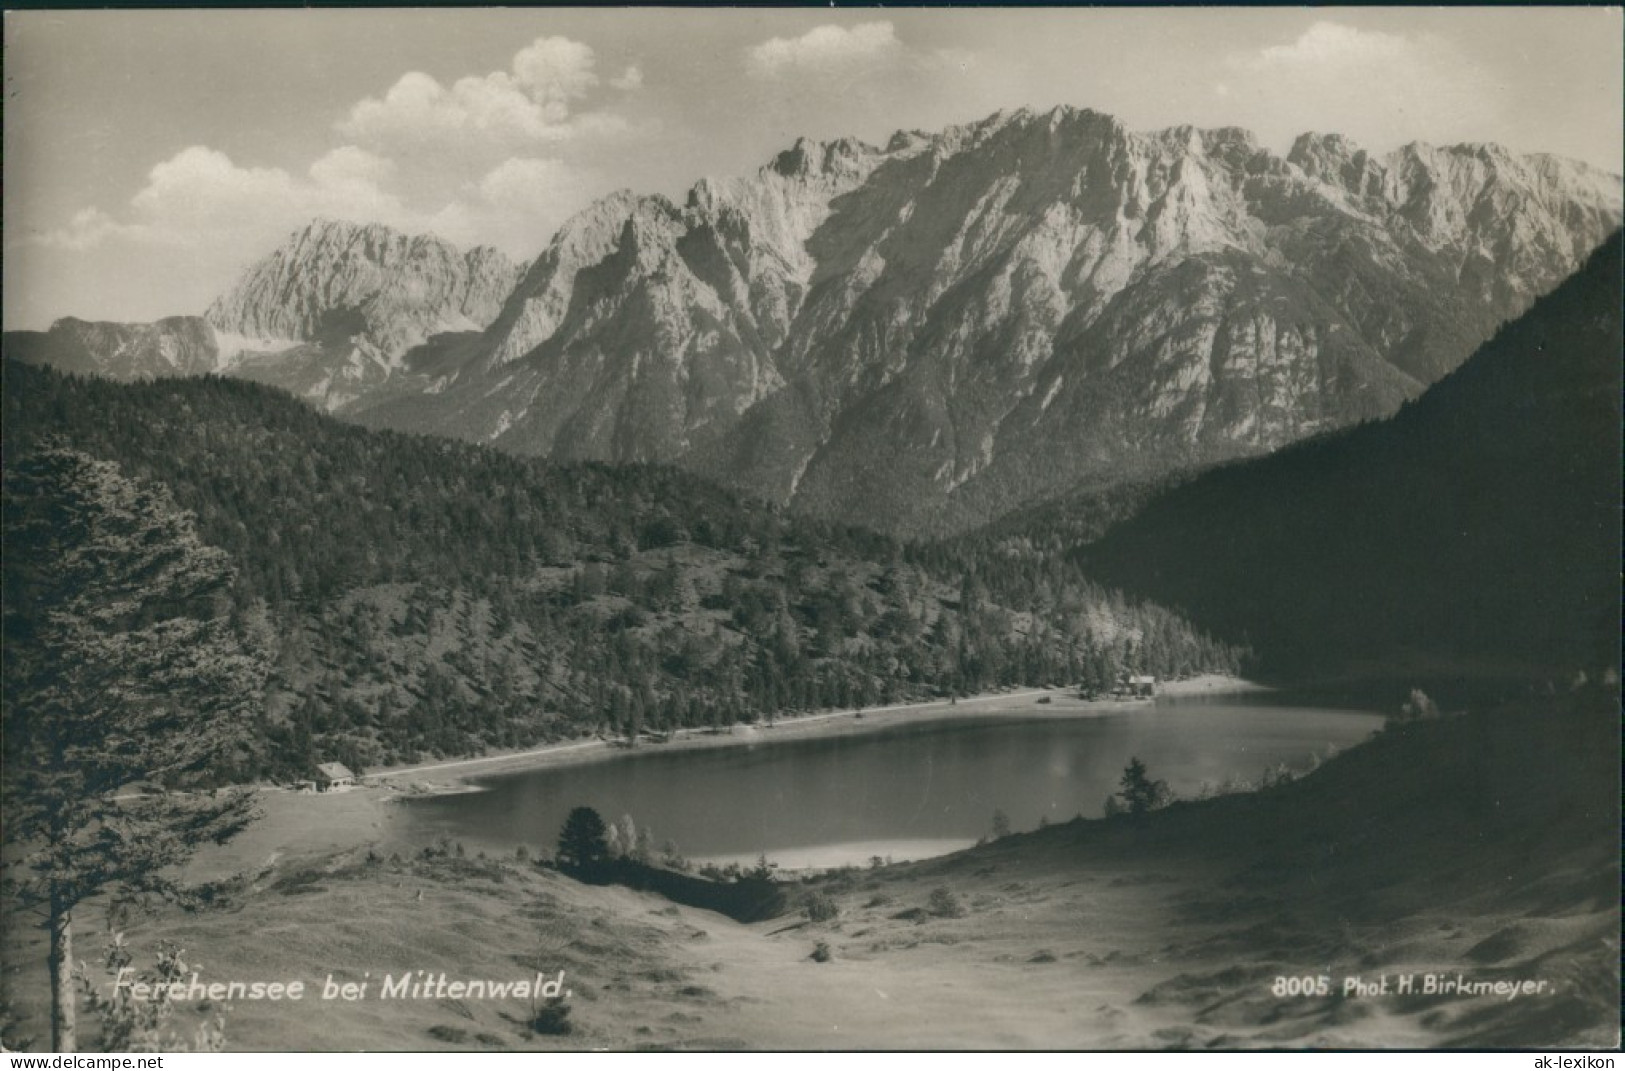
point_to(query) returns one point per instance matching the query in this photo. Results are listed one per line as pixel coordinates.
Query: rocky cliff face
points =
(398, 289)
(924, 335)
(174, 346)
(647, 327)
(330, 313)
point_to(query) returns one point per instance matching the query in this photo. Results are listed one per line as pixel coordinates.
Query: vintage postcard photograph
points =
(811, 528)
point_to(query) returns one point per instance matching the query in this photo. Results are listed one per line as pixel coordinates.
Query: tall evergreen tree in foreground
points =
(584, 839)
(120, 668)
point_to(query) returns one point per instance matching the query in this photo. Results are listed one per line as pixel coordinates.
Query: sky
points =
(149, 156)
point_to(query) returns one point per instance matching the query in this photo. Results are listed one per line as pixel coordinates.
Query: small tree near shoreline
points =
(1139, 794)
(583, 840)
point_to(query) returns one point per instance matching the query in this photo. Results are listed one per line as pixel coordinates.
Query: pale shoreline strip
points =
(1063, 703)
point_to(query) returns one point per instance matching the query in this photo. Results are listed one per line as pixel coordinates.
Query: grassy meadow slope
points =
(1481, 845)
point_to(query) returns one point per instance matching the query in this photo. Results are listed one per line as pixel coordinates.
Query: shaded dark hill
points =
(1479, 525)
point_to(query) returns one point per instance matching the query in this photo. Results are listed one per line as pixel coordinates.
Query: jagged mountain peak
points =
(1012, 124)
(1205, 140)
(395, 288)
(736, 246)
(332, 225)
(906, 140)
(335, 229)
(1086, 123)
(1313, 143)
(1337, 161)
(607, 210)
(375, 240)
(331, 312)
(808, 157)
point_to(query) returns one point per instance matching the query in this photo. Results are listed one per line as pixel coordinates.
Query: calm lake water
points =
(909, 791)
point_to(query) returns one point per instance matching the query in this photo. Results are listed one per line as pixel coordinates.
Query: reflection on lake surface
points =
(909, 790)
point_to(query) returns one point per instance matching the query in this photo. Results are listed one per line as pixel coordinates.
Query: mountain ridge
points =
(926, 335)
(327, 315)
(964, 322)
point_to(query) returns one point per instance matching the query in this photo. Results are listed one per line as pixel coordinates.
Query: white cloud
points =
(199, 195)
(350, 166)
(87, 229)
(199, 199)
(825, 50)
(523, 182)
(1379, 88)
(418, 113)
(516, 206)
(490, 116)
(555, 70)
(475, 162)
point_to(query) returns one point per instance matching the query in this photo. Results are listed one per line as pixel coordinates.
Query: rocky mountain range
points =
(328, 316)
(924, 335)
(331, 313)
(173, 346)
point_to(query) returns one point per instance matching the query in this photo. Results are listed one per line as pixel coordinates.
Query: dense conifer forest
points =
(422, 598)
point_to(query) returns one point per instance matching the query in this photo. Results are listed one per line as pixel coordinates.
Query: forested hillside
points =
(423, 598)
(1061, 524)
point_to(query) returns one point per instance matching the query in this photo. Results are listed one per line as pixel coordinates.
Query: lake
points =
(908, 791)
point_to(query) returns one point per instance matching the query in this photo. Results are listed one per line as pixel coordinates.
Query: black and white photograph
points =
(811, 528)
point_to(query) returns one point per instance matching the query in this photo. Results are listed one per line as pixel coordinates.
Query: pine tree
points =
(582, 841)
(1139, 793)
(121, 668)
